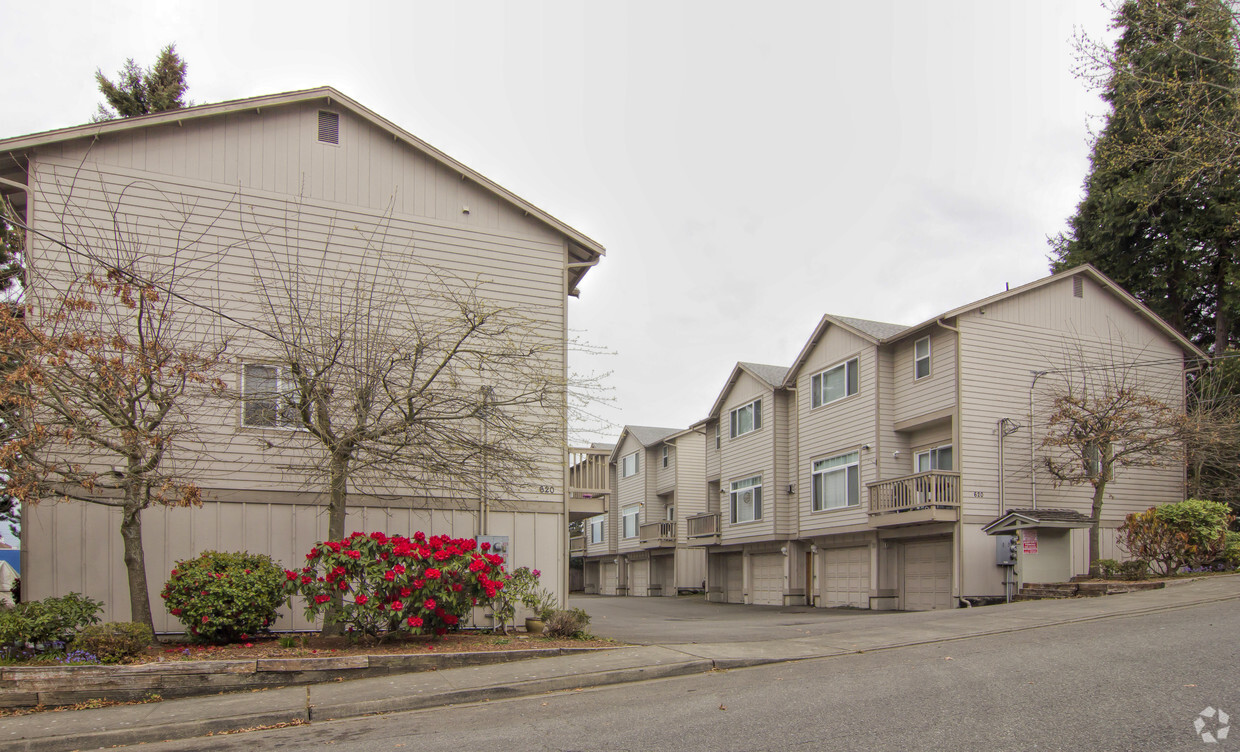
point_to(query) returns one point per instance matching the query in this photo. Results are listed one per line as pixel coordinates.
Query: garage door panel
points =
(767, 583)
(847, 577)
(927, 575)
(639, 577)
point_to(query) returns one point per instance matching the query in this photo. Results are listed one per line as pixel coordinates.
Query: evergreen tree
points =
(141, 92)
(1161, 212)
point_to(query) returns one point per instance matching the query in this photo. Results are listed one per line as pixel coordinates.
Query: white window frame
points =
(285, 418)
(737, 492)
(818, 383)
(598, 530)
(919, 360)
(848, 463)
(718, 437)
(755, 419)
(665, 457)
(934, 459)
(625, 470)
(670, 516)
(633, 513)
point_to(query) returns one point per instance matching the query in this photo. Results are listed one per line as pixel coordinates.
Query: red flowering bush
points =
(391, 584)
(223, 597)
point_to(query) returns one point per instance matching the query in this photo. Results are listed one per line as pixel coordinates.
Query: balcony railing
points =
(922, 492)
(577, 545)
(658, 533)
(589, 473)
(702, 526)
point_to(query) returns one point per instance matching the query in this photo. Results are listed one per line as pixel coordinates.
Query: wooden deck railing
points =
(919, 491)
(576, 545)
(702, 525)
(657, 532)
(589, 472)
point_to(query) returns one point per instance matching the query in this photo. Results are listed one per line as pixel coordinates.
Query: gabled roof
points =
(582, 247)
(881, 334)
(873, 331)
(772, 376)
(647, 436)
(1017, 519)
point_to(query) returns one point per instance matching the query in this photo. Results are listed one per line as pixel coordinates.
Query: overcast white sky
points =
(749, 166)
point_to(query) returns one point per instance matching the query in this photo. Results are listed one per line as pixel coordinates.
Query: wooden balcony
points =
(658, 535)
(702, 529)
(577, 545)
(915, 499)
(589, 482)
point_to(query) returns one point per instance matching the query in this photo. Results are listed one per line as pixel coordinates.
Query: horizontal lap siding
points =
(690, 482)
(1044, 330)
(88, 547)
(837, 427)
(630, 490)
(746, 456)
(218, 234)
(916, 397)
(278, 151)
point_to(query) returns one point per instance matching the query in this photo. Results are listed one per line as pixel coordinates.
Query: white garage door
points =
(639, 577)
(734, 578)
(927, 575)
(607, 583)
(767, 573)
(847, 580)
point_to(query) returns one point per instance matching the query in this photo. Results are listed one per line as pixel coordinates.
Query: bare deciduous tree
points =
(1103, 416)
(398, 376)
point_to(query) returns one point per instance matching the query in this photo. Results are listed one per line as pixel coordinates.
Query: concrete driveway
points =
(690, 619)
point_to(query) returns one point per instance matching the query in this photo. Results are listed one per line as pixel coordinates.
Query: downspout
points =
(959, 534)
(1033, 465)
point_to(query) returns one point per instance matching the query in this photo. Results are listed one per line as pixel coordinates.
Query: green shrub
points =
(1137, 569)
(48, 624)
(225, 597)
(571, 624)
(1108, 568)
(1190, 534)
(114, 641)
(1231, 552)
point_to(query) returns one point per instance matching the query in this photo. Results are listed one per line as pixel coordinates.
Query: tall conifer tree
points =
(1161, 212)
(142, 92)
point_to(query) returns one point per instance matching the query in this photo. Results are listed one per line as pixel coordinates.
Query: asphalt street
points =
(1127, 683)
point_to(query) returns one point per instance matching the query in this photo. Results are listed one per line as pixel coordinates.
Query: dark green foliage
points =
(225, 597)
(142, 92)
(1136, 569)
(571, 624)
(1162, 198)
(115, 641)
(1189, 534)
(48, 624)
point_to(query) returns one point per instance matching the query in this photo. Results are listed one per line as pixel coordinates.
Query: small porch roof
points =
(1019, 519)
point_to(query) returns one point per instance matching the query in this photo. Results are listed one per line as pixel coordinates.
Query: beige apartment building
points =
(640, 545)
(211, 184)
(869, 473)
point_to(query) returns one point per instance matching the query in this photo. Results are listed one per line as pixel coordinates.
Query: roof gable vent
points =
(1078, 287)
(329, 127)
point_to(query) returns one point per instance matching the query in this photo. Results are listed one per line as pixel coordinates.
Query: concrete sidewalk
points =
(178, 719)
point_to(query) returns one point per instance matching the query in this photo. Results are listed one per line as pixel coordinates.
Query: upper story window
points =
(263, 390)
(666, 453)
(921, 358)
(834, 383)
(718, 439)
(746, 499)
(939, 458)
(596, 530)
(837, 482)
(628, 465)
(746, 418)
(629, 518)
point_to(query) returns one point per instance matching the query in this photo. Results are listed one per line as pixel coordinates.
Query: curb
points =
(161, 733)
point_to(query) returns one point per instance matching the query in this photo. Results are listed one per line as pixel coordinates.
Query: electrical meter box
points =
(1005, 550)
(499, 546)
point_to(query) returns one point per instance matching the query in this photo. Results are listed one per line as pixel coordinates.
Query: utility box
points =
(1005, 550)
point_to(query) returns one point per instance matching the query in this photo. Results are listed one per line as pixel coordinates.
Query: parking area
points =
(689, 619)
